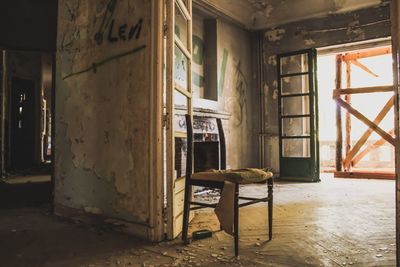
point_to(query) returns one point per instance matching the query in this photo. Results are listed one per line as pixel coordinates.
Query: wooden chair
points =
(218, 185)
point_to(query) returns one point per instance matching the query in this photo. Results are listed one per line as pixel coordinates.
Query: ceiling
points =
(259, 14)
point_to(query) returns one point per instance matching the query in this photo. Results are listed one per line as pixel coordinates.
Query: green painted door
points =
(298, 116)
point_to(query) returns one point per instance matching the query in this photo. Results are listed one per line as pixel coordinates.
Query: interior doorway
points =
(22, 124)
(28, 91)
(356, 111)
(26, 127)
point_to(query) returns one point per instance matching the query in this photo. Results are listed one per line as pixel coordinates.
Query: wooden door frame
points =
(313, 138)
(395, 22)
(156, 164)
(173, 41)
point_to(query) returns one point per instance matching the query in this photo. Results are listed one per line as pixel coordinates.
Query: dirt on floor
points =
(332, 223)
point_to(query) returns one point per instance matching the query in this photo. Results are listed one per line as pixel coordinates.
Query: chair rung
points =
(198, 208)
(252, 202)
(207, 205)
(252, 198)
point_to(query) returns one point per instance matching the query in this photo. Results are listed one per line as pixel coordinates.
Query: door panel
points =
(299, 155)
(178, 103)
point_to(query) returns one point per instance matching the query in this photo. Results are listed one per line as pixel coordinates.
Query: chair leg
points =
(270, 206)
(236, 219)
(186, 212)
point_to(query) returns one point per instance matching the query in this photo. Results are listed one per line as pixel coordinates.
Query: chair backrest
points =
(222, 145)
(189, 151)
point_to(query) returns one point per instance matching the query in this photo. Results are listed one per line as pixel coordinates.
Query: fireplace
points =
(206, 156)
(205, 148)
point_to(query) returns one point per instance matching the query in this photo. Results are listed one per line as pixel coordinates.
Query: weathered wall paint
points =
(238, 95)
(269, 13)
(198, 81)
(102, 108)
(335, 29)
(262, 14)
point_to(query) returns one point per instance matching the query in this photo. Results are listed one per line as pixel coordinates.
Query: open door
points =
(298, 116)
(178, 103)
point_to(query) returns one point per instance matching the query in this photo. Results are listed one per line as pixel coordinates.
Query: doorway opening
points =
(356, 116)
(27, 126)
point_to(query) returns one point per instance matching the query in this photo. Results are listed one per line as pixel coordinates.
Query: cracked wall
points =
(361, 25)
(102, 108)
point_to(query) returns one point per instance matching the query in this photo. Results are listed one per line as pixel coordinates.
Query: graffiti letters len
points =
(114, 32)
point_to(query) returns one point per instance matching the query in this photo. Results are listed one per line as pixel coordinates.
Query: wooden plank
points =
(347, 98)
(375, 145)
(368, 53)
(366, 121)
(368, 132)
(366, 175)
(364, 68)
(339, 137)
(362, 90)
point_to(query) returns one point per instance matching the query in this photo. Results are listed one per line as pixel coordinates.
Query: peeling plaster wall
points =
(238, 95)
(262, 14)
(336, 29)
(268, 13)
(102, 108)
(239, 11)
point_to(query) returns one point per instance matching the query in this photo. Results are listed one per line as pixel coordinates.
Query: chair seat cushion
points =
(241, 176)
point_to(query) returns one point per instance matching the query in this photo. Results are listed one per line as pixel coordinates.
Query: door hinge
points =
(165, 121)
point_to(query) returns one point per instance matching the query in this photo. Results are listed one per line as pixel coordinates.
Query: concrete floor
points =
(332, 223)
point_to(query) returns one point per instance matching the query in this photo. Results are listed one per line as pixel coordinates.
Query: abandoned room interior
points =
(120, 119)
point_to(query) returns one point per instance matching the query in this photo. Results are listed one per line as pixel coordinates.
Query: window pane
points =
(180, 156)
(296, 148)
(181, 69)
(296, 126)
(180, 100)
(180, 131)
(181, 26)
(295, 85)
(294, 64)
(298, 105)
